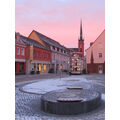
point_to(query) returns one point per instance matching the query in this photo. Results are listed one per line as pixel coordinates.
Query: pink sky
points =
(60, 19)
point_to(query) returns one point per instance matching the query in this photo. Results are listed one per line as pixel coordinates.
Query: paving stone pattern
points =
(27, 106)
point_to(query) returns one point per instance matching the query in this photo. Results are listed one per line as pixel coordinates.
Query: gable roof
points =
(95, 40)
(49, 41)
(28, 41)
(19, 42)
(33, 42)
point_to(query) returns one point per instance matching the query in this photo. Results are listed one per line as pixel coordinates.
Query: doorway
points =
(100, 69)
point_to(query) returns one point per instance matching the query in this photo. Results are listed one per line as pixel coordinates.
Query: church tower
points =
(81, 42)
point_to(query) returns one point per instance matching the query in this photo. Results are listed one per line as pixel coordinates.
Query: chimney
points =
(91, 43)
(18, 36)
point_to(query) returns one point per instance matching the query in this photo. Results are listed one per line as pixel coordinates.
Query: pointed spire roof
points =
(81, 31)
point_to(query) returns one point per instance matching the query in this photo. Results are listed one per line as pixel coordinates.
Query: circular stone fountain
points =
(70, 101)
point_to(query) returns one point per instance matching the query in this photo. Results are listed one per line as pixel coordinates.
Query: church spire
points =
(81, 41)
(81, 37)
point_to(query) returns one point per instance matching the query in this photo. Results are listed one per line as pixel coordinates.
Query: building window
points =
(58, 49)
(53, 48)
(100, 55)
(22, 51)
(44, 67)
(18, 51)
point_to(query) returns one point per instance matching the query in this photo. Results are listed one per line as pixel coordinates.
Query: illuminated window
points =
(22, 51)
(18, 51)
(44, 68)
(39, 67)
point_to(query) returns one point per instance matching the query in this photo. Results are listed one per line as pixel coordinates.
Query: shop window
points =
(22, 51)
(100, 69)
(32, 67)
(100, 55)
(39, 67)
(21, 67)
(18, 51)
(44, 68)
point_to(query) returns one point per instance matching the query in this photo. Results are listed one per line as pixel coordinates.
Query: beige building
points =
(95, 55)
(60, 54)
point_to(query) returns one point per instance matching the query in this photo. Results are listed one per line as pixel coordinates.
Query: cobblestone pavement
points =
(28, 105)
(27, 78)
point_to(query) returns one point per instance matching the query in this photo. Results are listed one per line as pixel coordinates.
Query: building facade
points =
(77, 61)
(95, 55)
(37, 58)
(20, 53)
(60, 57)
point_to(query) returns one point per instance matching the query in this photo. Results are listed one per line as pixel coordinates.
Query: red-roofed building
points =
(20, 55)
(30, 56)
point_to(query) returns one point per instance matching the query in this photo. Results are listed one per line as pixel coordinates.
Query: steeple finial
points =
(81, 30)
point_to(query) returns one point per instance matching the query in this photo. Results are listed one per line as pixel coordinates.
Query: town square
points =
(40, 70)
(28, 95)
(59, 60)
